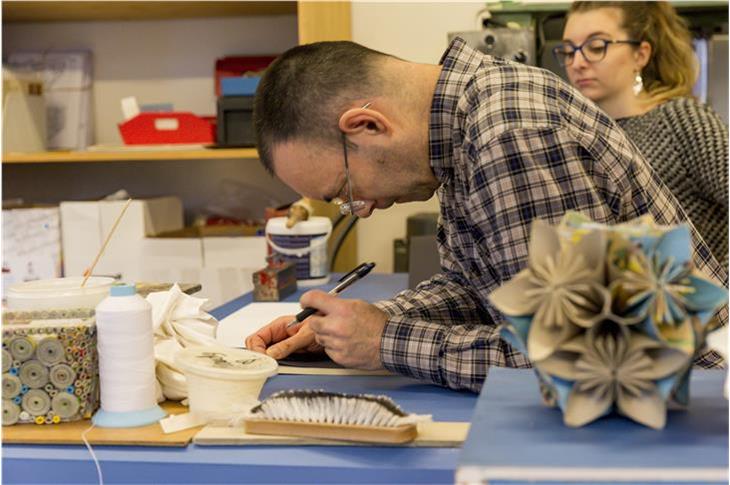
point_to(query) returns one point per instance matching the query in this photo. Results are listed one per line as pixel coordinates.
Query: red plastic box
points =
(166, 128)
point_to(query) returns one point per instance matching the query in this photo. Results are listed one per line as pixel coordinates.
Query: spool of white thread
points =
(126, 361)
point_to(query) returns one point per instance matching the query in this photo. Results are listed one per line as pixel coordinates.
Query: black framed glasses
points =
(593, 50)
(349, 206)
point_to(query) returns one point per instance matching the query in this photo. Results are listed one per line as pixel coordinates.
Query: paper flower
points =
(561, 288)
(611, 317)
(612, 364)
(657, 283)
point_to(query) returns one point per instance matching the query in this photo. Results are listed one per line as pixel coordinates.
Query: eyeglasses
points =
(593, 50)
(349, 206)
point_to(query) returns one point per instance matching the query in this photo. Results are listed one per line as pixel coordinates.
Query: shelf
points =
(131, 155)
(51, 11)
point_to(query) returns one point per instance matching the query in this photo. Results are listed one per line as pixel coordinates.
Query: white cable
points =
(93, 455)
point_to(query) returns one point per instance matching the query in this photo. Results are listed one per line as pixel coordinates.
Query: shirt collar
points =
(459, 63)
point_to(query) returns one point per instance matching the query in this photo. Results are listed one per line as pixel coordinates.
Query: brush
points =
(329, 415)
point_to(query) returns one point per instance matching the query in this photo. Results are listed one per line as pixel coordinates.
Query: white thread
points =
(126, 354)
(93, 455)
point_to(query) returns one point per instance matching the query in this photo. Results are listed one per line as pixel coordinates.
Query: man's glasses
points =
(593, 50)
(349, 206)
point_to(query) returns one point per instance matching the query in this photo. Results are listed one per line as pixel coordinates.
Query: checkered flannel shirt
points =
(510, 143)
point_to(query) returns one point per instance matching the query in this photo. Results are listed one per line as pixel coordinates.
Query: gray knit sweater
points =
(686, 143)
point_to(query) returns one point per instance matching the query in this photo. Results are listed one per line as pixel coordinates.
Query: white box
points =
(234, 252)
(31, 244)
(85, 225)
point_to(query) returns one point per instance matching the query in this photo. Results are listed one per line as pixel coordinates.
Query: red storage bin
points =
(165, 128)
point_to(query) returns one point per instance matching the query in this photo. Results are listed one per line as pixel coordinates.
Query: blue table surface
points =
(268, 464)
(514, 434)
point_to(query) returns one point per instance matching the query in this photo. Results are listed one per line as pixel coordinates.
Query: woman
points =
(635, 60)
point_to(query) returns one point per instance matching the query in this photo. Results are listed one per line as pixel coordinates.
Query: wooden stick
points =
(103, 246)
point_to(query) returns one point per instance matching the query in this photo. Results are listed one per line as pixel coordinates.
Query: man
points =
(500, 143)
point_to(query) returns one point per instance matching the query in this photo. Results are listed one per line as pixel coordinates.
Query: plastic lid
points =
(123, 290)
(226, 363)
(314, 225)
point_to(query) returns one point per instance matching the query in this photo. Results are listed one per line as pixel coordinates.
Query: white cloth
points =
(718, 341)
(179, 322)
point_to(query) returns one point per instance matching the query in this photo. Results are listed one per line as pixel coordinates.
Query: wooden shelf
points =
(51, 11)
(126, 156)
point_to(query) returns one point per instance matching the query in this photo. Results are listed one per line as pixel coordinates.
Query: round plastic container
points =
(58, 293)
(305, 244)
(223, 382)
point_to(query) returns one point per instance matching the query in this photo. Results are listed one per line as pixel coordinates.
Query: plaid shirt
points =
(510, 143)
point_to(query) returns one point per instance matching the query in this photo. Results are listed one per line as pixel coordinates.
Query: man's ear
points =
(365, 121)
(642, 55)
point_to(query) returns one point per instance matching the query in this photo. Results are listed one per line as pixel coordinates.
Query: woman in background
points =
(635, 60)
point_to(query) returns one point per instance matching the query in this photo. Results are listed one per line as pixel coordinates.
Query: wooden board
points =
(129, 155)
(70, 433)
(94, 10)
(434, 434)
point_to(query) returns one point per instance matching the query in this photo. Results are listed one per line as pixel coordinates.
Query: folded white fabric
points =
(718, 341)
(179, 322)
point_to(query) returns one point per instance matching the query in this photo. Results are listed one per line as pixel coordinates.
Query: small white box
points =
(85, 225)
(31, 244)
(234, 252)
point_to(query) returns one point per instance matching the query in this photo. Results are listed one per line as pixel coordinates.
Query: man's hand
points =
(278, 342)
(349, 330)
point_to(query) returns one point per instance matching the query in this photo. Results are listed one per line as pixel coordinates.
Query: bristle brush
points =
(329, 415)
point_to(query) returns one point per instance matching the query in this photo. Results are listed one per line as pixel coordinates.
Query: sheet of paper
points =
(233, 330)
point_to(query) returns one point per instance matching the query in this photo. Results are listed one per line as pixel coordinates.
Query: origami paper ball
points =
(611, 316)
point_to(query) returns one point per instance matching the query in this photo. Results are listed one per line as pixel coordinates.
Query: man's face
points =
(319, 173)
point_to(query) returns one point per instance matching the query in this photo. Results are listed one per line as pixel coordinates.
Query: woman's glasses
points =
(593, 50)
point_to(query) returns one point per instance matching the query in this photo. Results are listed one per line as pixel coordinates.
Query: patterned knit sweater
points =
(686, 143)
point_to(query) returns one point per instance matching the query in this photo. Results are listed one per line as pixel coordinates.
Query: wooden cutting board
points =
(70, 433)
(436, 434)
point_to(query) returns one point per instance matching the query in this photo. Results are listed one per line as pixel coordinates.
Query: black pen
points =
(343, 283)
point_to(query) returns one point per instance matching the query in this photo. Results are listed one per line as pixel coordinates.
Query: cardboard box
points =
(224, 266)
(31, 244)
(85, 225)
(239, 252)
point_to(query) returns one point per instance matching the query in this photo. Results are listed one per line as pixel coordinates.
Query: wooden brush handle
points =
(346, 432)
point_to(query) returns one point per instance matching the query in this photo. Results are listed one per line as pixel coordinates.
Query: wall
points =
(415, 31)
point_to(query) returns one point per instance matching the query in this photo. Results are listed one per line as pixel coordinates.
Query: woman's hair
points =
(672, 68)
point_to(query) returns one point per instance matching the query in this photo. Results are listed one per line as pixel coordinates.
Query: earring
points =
(638, 84)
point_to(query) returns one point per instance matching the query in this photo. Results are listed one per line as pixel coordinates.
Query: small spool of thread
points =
(34, 374)
(11, 386)
(62, 376)
(36, 402)
(126, 361)
(50, 351)
(11, 413)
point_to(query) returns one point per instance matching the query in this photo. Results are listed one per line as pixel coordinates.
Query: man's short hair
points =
(302, 93)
